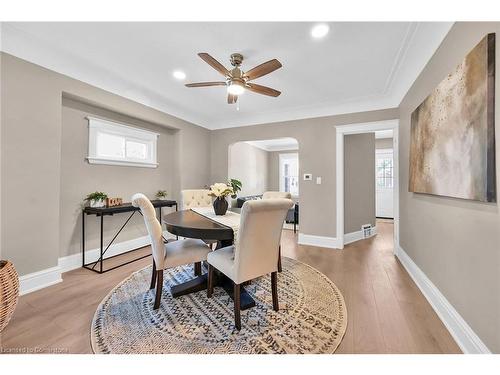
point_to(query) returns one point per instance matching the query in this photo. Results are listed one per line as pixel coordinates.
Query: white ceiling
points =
(277, 144)
(358, 66)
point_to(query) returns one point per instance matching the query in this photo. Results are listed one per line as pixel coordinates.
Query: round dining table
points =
(190, 224)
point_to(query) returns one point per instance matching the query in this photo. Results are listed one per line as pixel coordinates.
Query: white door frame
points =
(360, 128)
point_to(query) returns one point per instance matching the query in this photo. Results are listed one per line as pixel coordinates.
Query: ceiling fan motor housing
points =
(236, 59)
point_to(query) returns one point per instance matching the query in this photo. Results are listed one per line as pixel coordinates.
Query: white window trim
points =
(284, 156)
(98, 124)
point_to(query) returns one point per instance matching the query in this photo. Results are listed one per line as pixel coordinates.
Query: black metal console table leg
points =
(101, 243)
(102, 250)
(83, 239)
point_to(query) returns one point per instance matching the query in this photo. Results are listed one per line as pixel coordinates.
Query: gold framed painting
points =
(452, 144)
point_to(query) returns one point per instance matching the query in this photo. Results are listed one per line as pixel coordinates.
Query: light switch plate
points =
(318, 180)
(308, 176)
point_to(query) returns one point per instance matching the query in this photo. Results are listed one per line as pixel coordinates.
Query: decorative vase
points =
(96, 203)
(9, 292)
(220, 205)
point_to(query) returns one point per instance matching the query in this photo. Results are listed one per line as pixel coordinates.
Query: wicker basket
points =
(9, 292)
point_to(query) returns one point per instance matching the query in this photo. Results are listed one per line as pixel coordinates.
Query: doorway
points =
(266, 165)
(384, 175)
(390, 170)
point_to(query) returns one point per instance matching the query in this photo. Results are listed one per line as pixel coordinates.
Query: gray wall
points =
(359, 181)
(1, 121)
(455, 242)
(31, 163)
(383, 143)
(249, 165)
(316, 138)
(78, 177)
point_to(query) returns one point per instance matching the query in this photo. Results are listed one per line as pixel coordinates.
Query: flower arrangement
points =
(220, 190)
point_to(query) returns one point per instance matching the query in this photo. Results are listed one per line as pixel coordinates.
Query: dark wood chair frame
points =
(157, 279)
(236, 294)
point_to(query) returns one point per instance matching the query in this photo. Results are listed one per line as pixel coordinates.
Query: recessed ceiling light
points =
(180, 75)
(320, 30)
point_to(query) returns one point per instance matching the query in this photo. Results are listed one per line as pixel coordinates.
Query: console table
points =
(100, 212)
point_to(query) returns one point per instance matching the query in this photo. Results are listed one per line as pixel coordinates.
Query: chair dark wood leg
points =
(274, 288)
(210, 281)
(197, 269)
(279, 259)
(153, 276)
(159, 287)
(237, 306)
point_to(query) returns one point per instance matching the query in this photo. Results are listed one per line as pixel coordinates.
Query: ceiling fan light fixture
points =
(235, 88)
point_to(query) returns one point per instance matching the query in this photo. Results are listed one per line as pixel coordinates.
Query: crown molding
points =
(292, 146)
(419, 44)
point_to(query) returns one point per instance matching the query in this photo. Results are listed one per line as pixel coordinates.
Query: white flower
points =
(220, 190)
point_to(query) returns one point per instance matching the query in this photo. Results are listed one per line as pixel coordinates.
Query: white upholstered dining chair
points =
(255, 252)
(192, 198)
(274, 195)
(166, 255)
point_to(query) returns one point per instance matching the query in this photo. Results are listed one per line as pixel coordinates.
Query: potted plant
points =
(220, 191)
(236, 185)
(161, 195)
(97, 199)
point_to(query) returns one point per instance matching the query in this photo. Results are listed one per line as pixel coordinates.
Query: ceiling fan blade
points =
(205, 84)
(214, 64)
(263, 69)
(262, 90)
(231, 99)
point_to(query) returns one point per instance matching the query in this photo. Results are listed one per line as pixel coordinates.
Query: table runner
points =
(230, 219)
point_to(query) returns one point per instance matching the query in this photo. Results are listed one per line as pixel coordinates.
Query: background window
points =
(384, 171)
(289, 173)
(117, 144)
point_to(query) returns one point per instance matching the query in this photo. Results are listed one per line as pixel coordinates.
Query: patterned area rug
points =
(312, 316)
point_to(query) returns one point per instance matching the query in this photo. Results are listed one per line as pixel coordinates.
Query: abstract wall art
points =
(452, 144)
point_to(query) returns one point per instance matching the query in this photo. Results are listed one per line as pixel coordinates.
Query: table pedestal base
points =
(200, 283)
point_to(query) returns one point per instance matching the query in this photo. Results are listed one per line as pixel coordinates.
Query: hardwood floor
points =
(386, 311)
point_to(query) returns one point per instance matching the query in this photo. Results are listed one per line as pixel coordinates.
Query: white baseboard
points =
(50, 276)
(463, 334)
(39, 280)
(356, 236)
(74, 261)
(320, 241)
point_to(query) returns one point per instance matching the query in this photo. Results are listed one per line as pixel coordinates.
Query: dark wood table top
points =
(126, 207)
(188, 223)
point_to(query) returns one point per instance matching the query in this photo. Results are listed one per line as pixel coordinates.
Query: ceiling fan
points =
(237, 81)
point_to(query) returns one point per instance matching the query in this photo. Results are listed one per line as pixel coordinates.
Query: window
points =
(289, 173)
(384, 169)
(116, 144)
